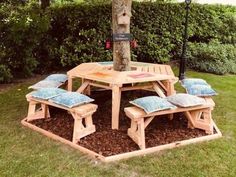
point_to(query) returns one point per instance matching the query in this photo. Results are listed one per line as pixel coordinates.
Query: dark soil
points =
(109, 142)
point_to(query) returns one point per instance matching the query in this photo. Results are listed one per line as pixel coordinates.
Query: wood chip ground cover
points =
(106, 141)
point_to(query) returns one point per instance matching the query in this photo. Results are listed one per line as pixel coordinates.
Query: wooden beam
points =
(148, 121)
(116, 98)
(190, 118)
(84, 150)
(162, 86)
(70, 83)
(162, 147)
(100, 85)
(127, 155)
(158, 90)
(138, 87)
(83, 87)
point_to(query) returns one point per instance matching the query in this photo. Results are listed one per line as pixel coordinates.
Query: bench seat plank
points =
(136, 113)
(82, 109)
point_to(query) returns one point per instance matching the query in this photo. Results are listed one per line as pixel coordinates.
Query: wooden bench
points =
(83, 122)
(198, 117)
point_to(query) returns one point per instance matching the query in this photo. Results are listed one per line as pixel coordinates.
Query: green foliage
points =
(213, 57)
(86, 47)
(153, 47)
(33, 40)
(13, 2)
(211, 22)
(5, 74)
(20, 33)
(79, 37)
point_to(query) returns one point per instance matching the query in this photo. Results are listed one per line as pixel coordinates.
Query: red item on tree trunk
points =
(108, 44)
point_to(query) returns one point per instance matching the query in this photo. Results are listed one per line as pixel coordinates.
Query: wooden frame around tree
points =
(112, 158)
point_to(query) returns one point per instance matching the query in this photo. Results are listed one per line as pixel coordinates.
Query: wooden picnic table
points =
(158, 77)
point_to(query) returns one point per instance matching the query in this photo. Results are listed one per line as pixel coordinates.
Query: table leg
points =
(116, 98)
(170, 89)
(87, 90)
(70, 81)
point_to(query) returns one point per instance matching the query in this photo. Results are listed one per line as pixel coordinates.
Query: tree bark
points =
(121, 49)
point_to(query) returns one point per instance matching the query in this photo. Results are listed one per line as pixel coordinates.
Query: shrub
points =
(86, 47)
(213, 57)
(5, 74)
(33, 40)
(156, 26)
(20, 33)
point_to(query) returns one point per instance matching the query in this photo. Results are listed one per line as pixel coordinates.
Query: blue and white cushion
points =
(185, 100)
(45, 84)
(57, 77)
(201, 90)
(152, 104)
(71, 99)
(193, 81)
(47, 93)
(106, 62)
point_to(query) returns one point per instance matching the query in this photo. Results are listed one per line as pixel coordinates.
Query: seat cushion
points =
(71, 99)
(57, 77)
(45, 84)
(193, 81)
(152, 104)
(106, 62)
(47, 93)
(201, 90)
(185, 100)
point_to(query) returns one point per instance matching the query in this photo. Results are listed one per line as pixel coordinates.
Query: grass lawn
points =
(24, 152)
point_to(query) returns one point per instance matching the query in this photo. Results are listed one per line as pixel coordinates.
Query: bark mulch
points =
(106, 141)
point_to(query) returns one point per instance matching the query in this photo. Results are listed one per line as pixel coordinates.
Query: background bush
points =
(213, 57)
(33, 40)
(21, 31)
(5, 74)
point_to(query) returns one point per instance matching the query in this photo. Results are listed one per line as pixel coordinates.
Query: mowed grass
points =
(24, 152)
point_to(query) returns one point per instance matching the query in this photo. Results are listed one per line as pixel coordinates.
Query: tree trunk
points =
(121, 49)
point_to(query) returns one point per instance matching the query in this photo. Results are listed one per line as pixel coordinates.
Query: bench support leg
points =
(201, 119)
(34, 113)
(137, 132)
(82, 129)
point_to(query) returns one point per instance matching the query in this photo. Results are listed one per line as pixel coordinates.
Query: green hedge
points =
(213, 57)
(33, 40)
(21, 31)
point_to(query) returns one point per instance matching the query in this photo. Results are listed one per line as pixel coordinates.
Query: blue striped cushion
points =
(201, 90)
(193, 81)
(185, 100)
(152, 104)
(47, 93)
(57, 77)
(106, 62)
(45, 84)
(71, 99)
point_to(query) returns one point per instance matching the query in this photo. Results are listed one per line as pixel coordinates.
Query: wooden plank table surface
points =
(142, 76)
